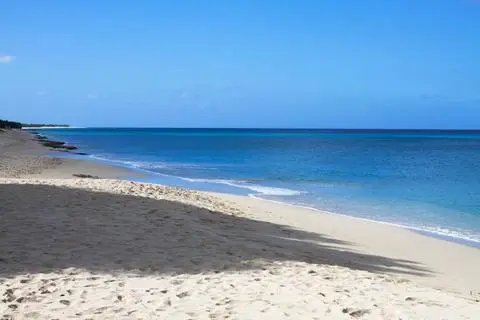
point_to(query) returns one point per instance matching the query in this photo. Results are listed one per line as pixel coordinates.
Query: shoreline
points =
(134, 173)
(433, 253)
(268, 259)
(444, 236)
(471, 243)
(25, 156)
(439, 233)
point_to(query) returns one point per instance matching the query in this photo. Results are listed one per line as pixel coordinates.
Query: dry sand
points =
(113, 249)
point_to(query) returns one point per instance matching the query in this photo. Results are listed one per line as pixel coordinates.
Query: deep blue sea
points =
(425, 180)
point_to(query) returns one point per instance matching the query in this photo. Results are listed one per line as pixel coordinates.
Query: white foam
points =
(142, 165)
(146, 165)
(274, 191)
(134, 164)
(271, 191)
(437, 230)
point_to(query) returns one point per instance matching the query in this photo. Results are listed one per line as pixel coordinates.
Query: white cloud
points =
(92, 96)
(6, 59)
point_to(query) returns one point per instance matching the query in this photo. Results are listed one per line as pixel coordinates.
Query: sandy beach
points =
(22, 156)
(116, 249)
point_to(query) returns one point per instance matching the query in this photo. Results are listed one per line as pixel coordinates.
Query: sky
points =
(263, 63)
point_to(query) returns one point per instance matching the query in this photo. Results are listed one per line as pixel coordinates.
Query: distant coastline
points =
(43, 126)
(50, 127)
(7, 124)
(262, 129)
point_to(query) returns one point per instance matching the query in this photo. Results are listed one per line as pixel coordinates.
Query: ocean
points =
(427, 181)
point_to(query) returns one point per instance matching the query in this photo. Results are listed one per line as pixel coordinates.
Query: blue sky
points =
(331, 63)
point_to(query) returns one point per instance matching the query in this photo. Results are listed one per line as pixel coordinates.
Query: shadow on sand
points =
(47, 228)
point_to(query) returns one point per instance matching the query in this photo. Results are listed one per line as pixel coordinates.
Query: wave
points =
(132, 164)
(260, 191)
(271, 191)
(433, 230)
(148, 166)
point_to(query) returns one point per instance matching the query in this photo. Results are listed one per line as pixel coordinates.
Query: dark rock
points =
(359, 313)
(86, 176)
(9, 296)
(56, 144)
(355, 313)
(53, 144)
(182, 295)
(65, 302)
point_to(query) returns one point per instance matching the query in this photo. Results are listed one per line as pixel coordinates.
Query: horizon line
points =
(253, 128)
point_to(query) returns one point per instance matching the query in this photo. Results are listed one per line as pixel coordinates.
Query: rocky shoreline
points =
(26, 153)
(55, 145)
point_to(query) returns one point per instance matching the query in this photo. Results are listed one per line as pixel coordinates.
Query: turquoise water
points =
(424, 180)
